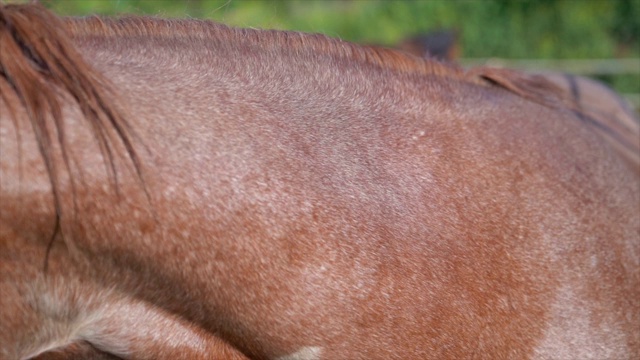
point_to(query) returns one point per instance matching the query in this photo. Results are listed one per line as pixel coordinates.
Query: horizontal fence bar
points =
(575, 66)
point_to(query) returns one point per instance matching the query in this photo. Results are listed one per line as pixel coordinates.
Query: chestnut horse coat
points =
(181, 189)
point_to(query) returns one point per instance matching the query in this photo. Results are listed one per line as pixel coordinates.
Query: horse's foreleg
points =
(134, 329)
(77, 351)
(41, 313)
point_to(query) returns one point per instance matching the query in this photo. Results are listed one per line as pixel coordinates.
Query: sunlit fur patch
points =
(305, 353)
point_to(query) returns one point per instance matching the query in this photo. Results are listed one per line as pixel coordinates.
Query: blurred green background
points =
(512, 29)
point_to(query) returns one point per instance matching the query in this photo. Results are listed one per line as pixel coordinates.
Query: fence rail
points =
(578, 67)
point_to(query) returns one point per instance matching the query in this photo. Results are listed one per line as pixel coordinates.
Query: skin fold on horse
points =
(179, 189)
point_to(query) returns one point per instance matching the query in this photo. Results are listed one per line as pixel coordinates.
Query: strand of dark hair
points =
(39, 62)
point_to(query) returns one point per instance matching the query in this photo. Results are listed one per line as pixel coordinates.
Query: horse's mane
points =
(532, 87)
(40, 71)
(143, 26)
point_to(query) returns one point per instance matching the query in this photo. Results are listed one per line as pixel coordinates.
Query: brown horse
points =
(181, 189)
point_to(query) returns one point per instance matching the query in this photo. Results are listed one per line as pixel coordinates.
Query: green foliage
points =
(556, 29)
(489, 28)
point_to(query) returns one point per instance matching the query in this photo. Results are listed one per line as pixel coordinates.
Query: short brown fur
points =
(305, 198)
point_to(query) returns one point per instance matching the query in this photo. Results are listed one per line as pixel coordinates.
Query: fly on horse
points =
(181, 189)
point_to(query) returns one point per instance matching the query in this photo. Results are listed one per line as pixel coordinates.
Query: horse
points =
(180, 189)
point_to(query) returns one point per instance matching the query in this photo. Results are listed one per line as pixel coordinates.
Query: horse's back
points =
(604, 109)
